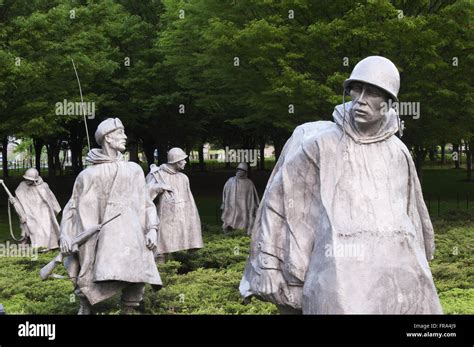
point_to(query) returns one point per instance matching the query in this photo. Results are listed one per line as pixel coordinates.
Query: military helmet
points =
(31, 174)
(378, 71)
(243, 166)
(176, 154)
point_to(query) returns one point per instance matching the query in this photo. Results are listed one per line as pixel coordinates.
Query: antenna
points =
(82, 104)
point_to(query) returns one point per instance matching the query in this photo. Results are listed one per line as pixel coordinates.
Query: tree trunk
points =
(5, 156)
(38, 144)
(57, 162)
(149, 150)
(278, 144)
(75, 155)
(63, 163)
(443, 153)
(202, 164)
(432, 154)
(76, 144)
(30, 156)
(133, 150)
(162, 153)
(456, 150)
(227, 162)
(419, 158)
(469, 160)
(51, 150)
(262, 155)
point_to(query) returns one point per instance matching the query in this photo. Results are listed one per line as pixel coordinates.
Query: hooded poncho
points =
(40, 207)
(239, 203)
(180, 227)
(343, 221)
(117, 255)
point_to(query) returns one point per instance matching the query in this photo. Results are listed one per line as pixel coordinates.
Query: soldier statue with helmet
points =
(342, 227)
(239, 201)
(37, 208)
(180, 227)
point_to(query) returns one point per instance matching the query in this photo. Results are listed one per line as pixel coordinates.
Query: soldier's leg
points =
(85, 306)
(161, 258)
(132, 295)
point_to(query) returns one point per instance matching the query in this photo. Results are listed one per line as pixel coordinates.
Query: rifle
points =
(18, 209)
(78, 240)
(6, 189)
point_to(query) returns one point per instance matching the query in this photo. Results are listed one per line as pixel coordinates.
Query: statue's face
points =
(117, 140)
(241, 173)
(367, 103)
(181, 164)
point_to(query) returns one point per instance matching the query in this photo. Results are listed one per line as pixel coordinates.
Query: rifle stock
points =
(78, 240)
(47, 270)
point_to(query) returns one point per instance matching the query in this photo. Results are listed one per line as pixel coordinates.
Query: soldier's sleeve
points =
(283, 232)
(69, 227)
(150, 192)
(54, 202)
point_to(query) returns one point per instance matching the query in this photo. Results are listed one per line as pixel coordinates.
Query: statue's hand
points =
(151, 239)
(165, 187)
(272, 285)
(65, 244)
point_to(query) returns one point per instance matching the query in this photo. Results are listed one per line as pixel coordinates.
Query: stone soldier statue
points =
(239, 201)
(342, 226)
(37, 207)
(119, 257)
(180, 222)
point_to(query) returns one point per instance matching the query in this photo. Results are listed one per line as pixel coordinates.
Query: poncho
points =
(239, 203)
(180, 227)
(40, 207)
(344, 222)
(117, 255)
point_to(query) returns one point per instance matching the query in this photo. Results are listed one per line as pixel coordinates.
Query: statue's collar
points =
(388, 127)
(97, 156)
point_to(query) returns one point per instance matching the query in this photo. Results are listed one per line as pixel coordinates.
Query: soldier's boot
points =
(132, 295)
(85, 307)
(161, 258)
(129, 308)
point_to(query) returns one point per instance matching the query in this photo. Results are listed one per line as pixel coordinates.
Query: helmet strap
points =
(344, 135)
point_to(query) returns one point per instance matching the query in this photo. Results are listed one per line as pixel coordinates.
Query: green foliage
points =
(458, 301)
(204, 291)
(198, 291)
(220, 251)
(453, 265)
(183, 53)
(22, 290)
(189, 288)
